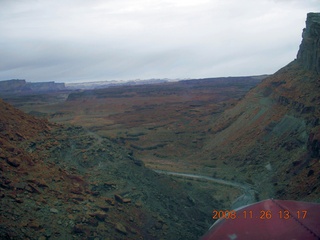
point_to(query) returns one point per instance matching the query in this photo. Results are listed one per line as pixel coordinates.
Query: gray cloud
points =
(77, 40)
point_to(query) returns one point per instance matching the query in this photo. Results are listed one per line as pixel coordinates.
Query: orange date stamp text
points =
(262, 214)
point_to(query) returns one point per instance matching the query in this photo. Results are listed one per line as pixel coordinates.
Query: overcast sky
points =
(90, 40)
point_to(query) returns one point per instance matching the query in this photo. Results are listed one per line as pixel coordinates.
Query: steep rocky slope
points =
(271, 138)
(63, 182)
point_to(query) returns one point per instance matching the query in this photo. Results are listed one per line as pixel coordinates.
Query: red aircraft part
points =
(269, 219)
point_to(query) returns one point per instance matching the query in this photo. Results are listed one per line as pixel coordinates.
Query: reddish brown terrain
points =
(162, 124)
(63, 182)
(271, 137)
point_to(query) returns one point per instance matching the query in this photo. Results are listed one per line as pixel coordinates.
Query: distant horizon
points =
(128, 80)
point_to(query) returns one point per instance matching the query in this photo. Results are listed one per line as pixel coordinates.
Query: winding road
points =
(245, 199)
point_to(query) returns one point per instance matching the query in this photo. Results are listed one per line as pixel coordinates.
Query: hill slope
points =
(271, 138)
(63, 182)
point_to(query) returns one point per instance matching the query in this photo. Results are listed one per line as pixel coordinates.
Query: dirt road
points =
(246, 198)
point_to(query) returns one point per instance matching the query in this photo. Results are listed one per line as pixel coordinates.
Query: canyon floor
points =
(202, 144)
(161, 124)
(106, 138)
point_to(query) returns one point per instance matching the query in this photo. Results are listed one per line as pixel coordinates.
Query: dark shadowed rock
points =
(13, 162)
(99, 215)
(110, 201)
(118, 198)
(79, 228)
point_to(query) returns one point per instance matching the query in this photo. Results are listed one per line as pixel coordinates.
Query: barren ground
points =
(161, 124)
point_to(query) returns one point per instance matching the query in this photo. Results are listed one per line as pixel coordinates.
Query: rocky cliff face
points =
(271, 138)
(309, 52)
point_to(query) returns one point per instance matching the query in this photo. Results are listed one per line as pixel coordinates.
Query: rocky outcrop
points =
(265, 135)
(309, 51)
(21, 86)
(314, 145)
(45, 86)
(12, 85)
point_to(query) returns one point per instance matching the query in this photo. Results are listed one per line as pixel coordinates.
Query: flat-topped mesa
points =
(21, 86)
(309, 51)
